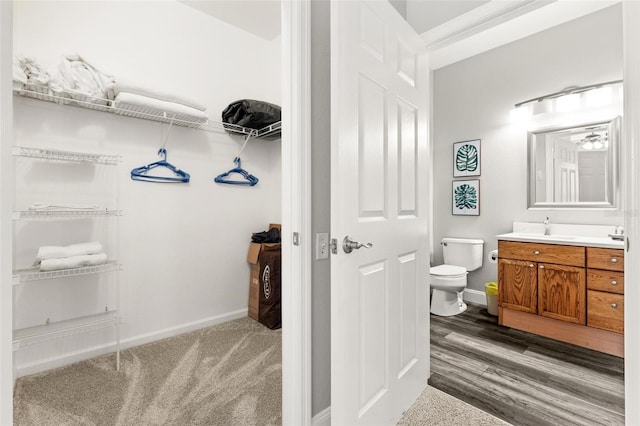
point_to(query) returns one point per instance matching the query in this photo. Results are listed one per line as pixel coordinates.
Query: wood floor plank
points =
(523, 378)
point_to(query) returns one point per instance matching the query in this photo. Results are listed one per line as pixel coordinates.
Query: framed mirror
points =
(575, 167)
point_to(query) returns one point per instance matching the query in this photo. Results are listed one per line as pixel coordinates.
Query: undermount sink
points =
(558, 237)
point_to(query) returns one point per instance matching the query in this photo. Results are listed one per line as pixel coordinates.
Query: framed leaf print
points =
(466, 158)
(466, 197)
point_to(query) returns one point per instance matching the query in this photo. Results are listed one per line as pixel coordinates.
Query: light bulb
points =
(587, 145)
(599, 97)
(568, 103)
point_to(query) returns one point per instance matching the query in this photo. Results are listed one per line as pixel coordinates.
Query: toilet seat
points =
(448, 271)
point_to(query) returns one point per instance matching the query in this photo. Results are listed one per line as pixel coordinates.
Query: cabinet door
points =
(517, 287)
(562, 293)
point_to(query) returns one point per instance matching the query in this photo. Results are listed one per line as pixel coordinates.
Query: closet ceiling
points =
(259, 17)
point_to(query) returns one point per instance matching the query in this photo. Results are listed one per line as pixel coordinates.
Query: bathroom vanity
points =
(566, 287)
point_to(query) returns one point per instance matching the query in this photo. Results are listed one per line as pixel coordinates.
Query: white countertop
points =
(570, 240)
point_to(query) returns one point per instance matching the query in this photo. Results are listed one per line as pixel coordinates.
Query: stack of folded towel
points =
(131, 98)
(53, 258)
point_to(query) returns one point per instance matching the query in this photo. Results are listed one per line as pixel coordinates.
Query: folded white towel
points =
(59, 252)
(63, 206)
(126, 86)
(138, 105)
(73, 262)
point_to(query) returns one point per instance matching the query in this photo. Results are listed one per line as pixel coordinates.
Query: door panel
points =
(407, 145)
(372, 148)
(409, 309)
(562, 293)
(518, 285)
(379, 194)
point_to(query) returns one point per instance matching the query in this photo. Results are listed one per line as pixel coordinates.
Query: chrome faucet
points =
(618, 234)
(546, 225)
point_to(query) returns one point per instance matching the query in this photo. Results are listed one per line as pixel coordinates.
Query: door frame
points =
(6, 200)
(296, 212)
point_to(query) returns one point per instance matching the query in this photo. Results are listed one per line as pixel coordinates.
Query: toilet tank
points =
(463, 252)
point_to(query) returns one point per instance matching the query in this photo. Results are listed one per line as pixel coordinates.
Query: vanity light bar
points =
(569, 91)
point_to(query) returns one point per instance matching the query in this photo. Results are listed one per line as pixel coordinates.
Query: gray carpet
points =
(436, 408)
(228, 374)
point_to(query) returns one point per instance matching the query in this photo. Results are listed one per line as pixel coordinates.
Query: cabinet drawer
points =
(603, 258)
(611, 281)
(605, 311)
(547, 253)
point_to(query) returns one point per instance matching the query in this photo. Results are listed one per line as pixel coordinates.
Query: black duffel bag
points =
(251, 113)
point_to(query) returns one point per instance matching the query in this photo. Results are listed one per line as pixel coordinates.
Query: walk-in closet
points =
(109, 263)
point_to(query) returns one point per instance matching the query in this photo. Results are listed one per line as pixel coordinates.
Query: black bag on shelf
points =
(250, 113)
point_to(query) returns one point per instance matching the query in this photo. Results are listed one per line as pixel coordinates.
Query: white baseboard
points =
(180, 329)
(323, 418)
(70, 358)
(475, 296)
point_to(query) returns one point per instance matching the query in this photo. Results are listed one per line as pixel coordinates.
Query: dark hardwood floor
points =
(523, 378)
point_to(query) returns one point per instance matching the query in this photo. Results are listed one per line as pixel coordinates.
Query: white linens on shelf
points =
(82, 81)
(140, 106)
(60, 252)
(62, 206)
(72, 262)
(27, 71)
(123, 85)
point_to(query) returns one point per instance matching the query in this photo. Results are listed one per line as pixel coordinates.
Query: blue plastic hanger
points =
(249, 179)
(141, 173)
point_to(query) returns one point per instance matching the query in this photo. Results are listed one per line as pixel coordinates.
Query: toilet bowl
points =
(448, 281)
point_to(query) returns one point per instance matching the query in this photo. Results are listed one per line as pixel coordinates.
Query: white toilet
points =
(448, 281)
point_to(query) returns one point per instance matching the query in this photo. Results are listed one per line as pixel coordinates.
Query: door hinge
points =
(296, 239)
(334, 246)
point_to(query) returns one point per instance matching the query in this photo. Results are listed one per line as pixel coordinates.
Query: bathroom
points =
(476, 105)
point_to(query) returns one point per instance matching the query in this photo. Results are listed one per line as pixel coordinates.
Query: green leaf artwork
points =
(467, 158)
(466, 197)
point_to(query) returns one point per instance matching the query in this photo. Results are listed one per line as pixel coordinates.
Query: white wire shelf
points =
(54, 154)
(63, 214)
(34, 274)
(43, 93)
(56, 330)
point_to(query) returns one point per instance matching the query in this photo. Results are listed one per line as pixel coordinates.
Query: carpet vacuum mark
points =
(228, 374)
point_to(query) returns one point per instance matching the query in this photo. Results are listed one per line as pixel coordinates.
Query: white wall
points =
(183, 247)
(472, 100)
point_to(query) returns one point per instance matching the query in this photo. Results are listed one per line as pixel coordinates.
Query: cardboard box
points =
(253, 257)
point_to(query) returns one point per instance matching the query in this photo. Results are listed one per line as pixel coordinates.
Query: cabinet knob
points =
(614, 282)
(531, 265)
(541, 266)
(536, 252)
(614, 305)
(614, 260)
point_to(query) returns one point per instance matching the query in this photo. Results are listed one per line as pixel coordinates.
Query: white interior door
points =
(379, 187)
(566, 172)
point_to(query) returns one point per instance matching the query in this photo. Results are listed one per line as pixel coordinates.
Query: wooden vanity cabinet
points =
(569, 293)
(543, 279)
(605, 289)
